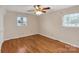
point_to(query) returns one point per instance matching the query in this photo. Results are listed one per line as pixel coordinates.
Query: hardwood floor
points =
(36, 44)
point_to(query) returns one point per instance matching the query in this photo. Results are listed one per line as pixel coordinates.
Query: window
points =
(21, 21)
(71, 20)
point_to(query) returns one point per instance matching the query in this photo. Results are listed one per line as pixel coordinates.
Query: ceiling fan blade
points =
(44, 11)
(37, 6)
(46, 8)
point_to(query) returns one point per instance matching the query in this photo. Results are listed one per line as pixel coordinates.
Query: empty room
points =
(39, 28)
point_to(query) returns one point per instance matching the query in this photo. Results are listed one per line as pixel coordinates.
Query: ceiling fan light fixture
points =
(39, 12)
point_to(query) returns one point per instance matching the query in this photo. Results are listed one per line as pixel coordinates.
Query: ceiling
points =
(25, 8)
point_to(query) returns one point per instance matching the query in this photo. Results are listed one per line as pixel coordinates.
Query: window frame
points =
(21, 21)
(68, 22)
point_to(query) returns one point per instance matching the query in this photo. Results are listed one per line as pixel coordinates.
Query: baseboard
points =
(8, 38)
(60, 40)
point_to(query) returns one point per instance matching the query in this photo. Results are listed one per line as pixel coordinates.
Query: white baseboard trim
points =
(61, 40)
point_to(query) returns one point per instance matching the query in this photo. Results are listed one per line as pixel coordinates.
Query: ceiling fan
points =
(38, 9)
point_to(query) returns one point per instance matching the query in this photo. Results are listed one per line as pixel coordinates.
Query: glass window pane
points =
(21, 21)
(71, 20)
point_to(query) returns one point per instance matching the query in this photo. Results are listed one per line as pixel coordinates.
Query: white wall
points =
(2, 14)
(51, 26)
(13, 31)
